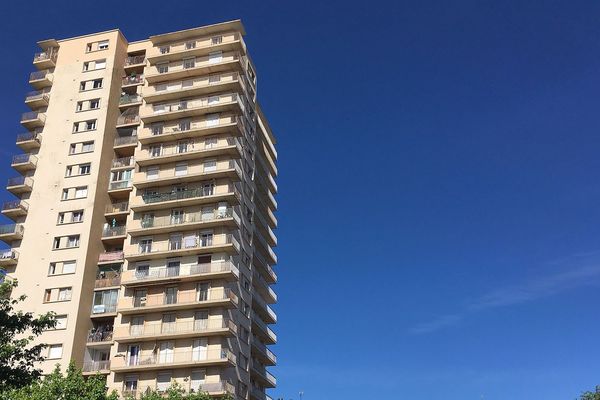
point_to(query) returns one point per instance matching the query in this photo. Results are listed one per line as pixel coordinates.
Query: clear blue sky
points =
(439, 185)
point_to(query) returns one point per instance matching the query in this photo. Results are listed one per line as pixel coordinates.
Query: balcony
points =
(37, 98)
(263, 287)
(265, 377)
(228, 124)
(125, 141)
(123, 162)
(110, 257)
(94, 367)
(216, 389)
(24, 162)
(114, 209)
(216, 270)
(161, 201)
(46, 59)
(224, 169)
(96, 336)
(19, 185)
(11, 232)
(178, 152)
(215, 297)
(173, 359)
(107, 280)
(262, 329)
(9, 258)
(264, 310)
(232, 102)
(188, 221)
(132, 80)
(119, 187)
(265, 355)
(174, 330)
(259, 395)
(102, 310)
(221, 242)
(29, 140)
(201, 86)
(128, 100)
(202, 66)
(129, 118)
(15, 209)
(33, 119)
(224, 42)
(41, 79)
(135, 61)
(113, 234)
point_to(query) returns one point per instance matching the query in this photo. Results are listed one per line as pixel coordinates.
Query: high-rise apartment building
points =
(144, 211)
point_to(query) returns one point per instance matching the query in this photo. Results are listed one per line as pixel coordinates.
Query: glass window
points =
(55, 351)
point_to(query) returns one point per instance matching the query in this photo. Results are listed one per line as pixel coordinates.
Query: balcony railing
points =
(194, 104)
(126, 119)
(43, 94)
(265, 350)
(130, 98)
(110, 231)
(156, 329)
(133, 60)
(98, 336)
(49, 54)
(174, 357)
(123, 140)
(117, 185)
(9, 255)
(111, 256)
(102, 282)
(104, 308)
(213, 387)
(9, 229)
(96, 366)
(117, 207)
(181, 298)
(169, 220)
(187, 244)
(181, 271)
(132, 80)
(38, 75)
(181, 195)
(177, 149)
(28, 136)
(24, 159)
(14, 205)
(32, 115)
(19, 181)
(220, 167)
(122, 162)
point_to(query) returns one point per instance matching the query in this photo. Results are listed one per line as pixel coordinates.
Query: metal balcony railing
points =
(180, 271)
(183, 149)
(174, 357)
(122, 162)
(194, 104)
(130, 98)
(99, 335)
(50, 54)
(107, 281)
(122, 140)
(181, 195)
(96, 366)
(132, 80)
(125, 119)
(103, 308)
(187, 244)
(117, 207)
(38, 75)
(20, 180)
(43, 94)
(111, 256)
(24, 159)
(171, 220)
(9, 255)
(179, 298)
(156, 329)
(29, 136)
(119, 185)
(15, 204)
(11, 229)
(110, 231)
(31, 115)
(133, 60)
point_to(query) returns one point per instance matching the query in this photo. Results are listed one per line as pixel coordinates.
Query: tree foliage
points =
(595, 395)
(176, 392)
(18, 329)
(71, 386)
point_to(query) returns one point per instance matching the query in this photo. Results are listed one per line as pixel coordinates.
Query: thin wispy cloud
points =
(532, 290)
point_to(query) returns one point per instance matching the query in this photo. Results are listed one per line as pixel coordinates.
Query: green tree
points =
(595, 395)
(176, 392)
(18, 329)
(72, 386)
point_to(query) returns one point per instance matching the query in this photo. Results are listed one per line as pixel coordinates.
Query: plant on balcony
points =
(72, 386)
(18, 330)
(176, 392)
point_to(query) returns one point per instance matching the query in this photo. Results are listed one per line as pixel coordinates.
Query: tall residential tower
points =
(144, 211)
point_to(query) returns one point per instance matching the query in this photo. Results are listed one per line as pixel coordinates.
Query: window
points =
(164, 49)
(214, 79)
(190, 45)
(212, 119)
(152, 172)
(197, 379)
(81, 147)
(171, 295)
(61, 322)
(215, 57)
(244, 334)
(213, 100)
(62, 267)
(245, 308)
(243, 361)
(162, 68)
(99, 64)
(74, 193)
(90, 125)
(64, 294)
(54, 351)
(210, 165)
(145, 245)
(181, 169)
(81, 192)
(94, 104)
(155, 151)
(130, 384)
(185, 125)
(57, 294)
(77, 216)
(84, 169)
(175, 241)
(157, 129)
(91, 84)
(163, 379)
(70, 217)
(96, 46)
(103, 45)
(84, 126)
(189, 63)
(216, 40)
(97, 83)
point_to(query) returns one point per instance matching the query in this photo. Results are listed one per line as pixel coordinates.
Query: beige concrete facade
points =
(144, 211)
